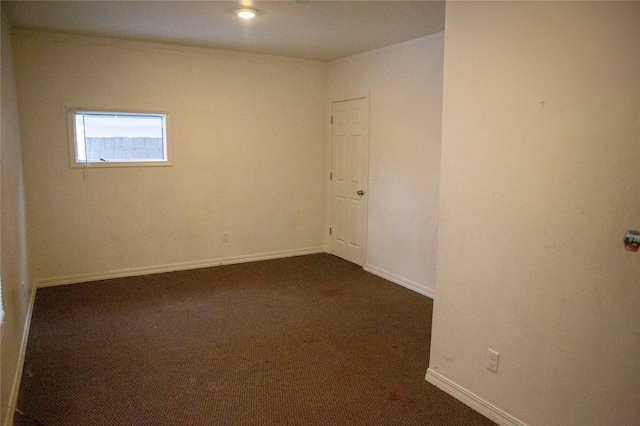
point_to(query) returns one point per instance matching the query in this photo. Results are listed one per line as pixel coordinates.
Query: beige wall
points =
(16, 286)
(247, 148)
(535, 199)
(404, 84)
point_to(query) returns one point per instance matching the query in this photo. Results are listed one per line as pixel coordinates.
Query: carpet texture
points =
(310, 340)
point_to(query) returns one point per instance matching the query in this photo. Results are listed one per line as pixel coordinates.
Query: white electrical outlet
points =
(492, 360)
(225, 237)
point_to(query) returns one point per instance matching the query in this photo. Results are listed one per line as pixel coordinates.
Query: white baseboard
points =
(157, 269)
(399, 280)
(17, 378)
(472, 400)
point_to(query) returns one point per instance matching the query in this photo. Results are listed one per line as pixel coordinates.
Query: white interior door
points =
(350, 172)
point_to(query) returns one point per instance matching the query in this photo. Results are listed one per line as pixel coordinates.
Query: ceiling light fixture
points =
(246, 13)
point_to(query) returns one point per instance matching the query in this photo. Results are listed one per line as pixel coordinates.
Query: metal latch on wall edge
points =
(632, 240)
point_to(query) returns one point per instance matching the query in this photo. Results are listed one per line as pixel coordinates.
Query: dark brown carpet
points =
(310, 340)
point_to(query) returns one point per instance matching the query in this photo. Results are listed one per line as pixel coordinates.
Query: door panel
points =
(350, 151)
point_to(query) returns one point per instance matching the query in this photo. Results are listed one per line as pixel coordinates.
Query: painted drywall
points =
(539, 181)
(404, 85)
(247, 144)
(16, 286)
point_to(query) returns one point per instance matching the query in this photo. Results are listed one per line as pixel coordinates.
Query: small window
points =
(118, 139)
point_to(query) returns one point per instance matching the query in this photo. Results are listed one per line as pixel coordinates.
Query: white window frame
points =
(74, 162)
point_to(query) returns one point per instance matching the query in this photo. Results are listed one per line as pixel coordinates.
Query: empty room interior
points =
(479, 156)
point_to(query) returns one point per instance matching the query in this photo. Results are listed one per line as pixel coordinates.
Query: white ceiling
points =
(321, 30)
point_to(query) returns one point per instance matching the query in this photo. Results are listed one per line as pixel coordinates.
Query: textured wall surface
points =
(247, 146)
(539, 181)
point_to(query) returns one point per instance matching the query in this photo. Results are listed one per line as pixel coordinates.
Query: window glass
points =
(115, 137)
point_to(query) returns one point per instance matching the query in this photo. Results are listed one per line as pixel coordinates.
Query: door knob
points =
(360, 193)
